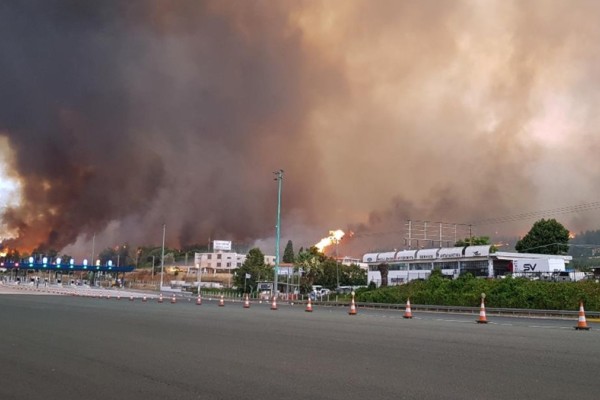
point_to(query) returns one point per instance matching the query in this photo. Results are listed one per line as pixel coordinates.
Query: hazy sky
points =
(119, 116)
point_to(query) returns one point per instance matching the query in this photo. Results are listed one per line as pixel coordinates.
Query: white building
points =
(350, 261)
(223, 261)
(407, 265)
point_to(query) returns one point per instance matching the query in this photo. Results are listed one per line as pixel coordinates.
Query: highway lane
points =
(60, 347)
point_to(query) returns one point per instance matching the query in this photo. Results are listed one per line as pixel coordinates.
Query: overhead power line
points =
(498, 220)
(542, 213)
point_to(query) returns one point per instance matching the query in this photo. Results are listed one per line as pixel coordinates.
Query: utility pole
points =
(279, 179)
(198, 277)
(162, 258)
(92, 260)
(336, 241)
(93, 248)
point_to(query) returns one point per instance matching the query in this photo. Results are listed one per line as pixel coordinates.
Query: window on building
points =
(446, 265)
(218, 256)
(398, 267)
(420, 266)
(209, 256)
(218, 265)
(477, 268)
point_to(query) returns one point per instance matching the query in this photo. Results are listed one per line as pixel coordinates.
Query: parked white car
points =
(319, 293)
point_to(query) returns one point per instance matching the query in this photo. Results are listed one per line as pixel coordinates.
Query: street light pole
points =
(337, 264)
(162, 258)
(199, 277)
(279, 179)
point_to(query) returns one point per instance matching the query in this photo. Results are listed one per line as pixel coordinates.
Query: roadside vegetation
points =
(504, 293)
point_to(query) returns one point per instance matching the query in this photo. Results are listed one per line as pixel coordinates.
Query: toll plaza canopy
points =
(65, 267)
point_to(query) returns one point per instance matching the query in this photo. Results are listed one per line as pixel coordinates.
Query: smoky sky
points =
(124, 116)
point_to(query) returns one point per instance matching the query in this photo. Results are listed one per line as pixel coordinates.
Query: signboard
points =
(265, 286)
(451, 252)
(222, 245)
(406, 255)
(386, 256)
(538, 265)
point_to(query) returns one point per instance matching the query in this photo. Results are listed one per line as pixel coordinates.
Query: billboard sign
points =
(222, 245)
(264, 286)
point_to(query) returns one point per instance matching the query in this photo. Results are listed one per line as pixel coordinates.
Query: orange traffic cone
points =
(407, 311)
(173, 300)
(130, 298)
(144, 299)
(274, 303)
(352, 306)
(309, 306)
(581, 322)
(221, 302)
(160, 298)
(118, 297)
(199, 300)
(247, 302)
(482, 318)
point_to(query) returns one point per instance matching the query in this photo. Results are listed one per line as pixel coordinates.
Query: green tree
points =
(146, 255)
(310, 263)
(288, 253)
(326, 270)
(252, 270)
(352, 275)
(328, 273)
(473, 241)
(546, 236)
(119, 255)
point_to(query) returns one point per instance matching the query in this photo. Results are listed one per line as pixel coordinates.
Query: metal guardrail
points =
(516, 312)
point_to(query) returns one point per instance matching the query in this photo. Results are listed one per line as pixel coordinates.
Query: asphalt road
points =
(61, 347)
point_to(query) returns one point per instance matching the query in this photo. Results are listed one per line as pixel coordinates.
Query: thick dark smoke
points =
(124, 115)
(156, 112)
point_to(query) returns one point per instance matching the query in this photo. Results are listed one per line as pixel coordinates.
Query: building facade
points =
(481, 261)
(223, 261)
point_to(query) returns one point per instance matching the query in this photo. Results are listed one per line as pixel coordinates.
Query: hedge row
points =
(503, 293)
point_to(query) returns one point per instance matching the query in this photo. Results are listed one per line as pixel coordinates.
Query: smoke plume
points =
(124, 116)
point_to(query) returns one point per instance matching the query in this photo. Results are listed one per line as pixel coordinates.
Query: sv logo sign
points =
(529, 267)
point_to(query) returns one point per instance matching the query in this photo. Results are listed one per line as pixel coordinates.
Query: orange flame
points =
(333, 238)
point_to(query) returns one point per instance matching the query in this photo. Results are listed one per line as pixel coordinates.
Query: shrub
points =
(503, 293)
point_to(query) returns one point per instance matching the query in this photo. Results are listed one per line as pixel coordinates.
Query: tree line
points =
(311, 266)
